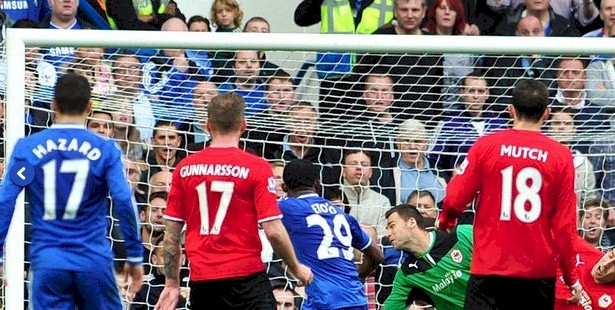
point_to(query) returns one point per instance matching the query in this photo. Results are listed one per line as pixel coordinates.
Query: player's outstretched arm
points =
(135, 273)
(564, 225)
(577, 291)
(364, 239)
(280, 242)
(372, 258)
(461, 190)
(125, 205)
(399, 295)
(172, 253)
(8, 195)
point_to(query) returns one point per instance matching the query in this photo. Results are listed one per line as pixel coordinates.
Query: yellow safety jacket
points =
(336, 16)
(145, 7)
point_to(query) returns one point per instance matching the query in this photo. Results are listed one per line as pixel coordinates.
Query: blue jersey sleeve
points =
(8, 195)
(125, 205)
(360, 239)
(287, 214)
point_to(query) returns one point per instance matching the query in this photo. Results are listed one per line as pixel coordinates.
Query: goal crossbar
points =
(18, 39)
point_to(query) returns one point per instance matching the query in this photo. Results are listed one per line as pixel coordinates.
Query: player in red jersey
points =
(596, 272)
(222, 193)
(526, 213)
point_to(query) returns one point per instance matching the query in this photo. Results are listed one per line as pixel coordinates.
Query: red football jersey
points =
(596, 296)
(526, 212)
(222, 194)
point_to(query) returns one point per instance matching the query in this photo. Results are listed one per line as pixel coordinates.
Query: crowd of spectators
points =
(387, 128)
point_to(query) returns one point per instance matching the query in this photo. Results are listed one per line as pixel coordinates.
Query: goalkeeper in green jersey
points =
(438, 268)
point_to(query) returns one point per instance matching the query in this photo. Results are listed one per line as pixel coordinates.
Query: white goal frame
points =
(18, 39)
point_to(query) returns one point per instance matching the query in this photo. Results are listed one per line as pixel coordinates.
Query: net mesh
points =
(414, 115)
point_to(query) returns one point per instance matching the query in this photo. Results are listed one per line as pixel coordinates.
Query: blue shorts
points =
(69, 290)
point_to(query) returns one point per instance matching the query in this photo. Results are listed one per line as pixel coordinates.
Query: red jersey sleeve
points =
(564, 223)
(462, 189)
(175, 203)
(264, 195)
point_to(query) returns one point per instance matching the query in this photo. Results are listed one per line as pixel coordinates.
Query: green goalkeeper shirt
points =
(441, 273)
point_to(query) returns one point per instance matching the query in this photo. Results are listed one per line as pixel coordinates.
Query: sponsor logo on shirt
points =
(271, 184)
(605, 301)
(585, 301)
(14, 5)
(579, 261)
(447, 280)
(457, 256)
(61, 51)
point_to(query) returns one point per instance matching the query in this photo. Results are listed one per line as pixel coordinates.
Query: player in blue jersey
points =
(324, 237)
(73, 171)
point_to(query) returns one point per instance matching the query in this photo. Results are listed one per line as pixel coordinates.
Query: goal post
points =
(18, 40)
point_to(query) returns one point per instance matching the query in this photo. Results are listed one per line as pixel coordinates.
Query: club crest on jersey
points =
(457, 256)
(462, 168)
(271, 185)
(605, 301)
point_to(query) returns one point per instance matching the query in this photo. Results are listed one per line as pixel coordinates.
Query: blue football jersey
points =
(60, 56)
(324, 237)
(74, 172)
(34, 10)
